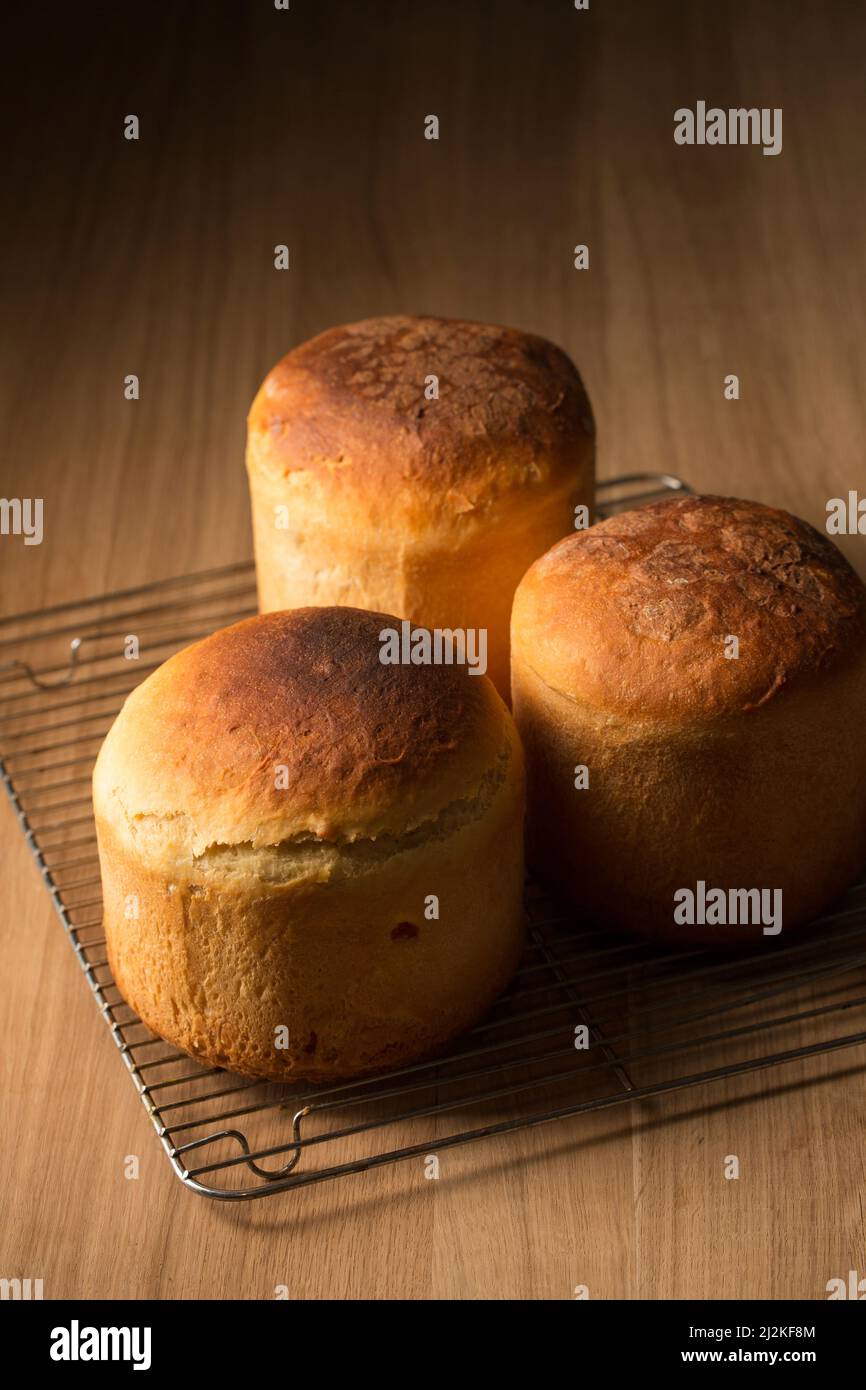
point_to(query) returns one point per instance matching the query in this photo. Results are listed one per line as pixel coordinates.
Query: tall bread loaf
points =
(416, 466)
(742, 766)
(277, 814)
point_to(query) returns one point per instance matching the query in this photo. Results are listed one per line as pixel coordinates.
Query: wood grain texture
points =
(305, 127)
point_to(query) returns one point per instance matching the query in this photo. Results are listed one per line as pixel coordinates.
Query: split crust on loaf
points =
(364, 912)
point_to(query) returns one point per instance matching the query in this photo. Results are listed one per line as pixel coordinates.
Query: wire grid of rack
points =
(658, 1020)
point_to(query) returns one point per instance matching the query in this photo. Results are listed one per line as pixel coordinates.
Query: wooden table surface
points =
(155, 257)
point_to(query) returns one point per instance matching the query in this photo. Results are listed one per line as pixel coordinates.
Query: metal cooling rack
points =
(659, 1020)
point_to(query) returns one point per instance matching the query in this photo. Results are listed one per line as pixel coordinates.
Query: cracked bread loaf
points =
(704, 659)
(416, 466)
(312, 862)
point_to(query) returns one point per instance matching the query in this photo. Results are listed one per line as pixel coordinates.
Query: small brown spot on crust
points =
(404, 931)
(312, 1044)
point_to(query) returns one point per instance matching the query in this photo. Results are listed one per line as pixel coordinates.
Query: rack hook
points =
(36, 681)
(271, 1175)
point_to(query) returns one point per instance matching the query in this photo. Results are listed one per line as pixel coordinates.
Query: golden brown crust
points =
(351, 405)
(288, 724)
(353, 913)
(350, 969)
(367, 494)
(771, 799)
(654, 762)
(632, 615)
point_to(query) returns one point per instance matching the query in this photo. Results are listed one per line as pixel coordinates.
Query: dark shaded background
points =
(306, 127)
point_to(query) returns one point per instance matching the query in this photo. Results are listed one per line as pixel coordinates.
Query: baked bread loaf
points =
(712, 764)
(312, 863)
(368, 490)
